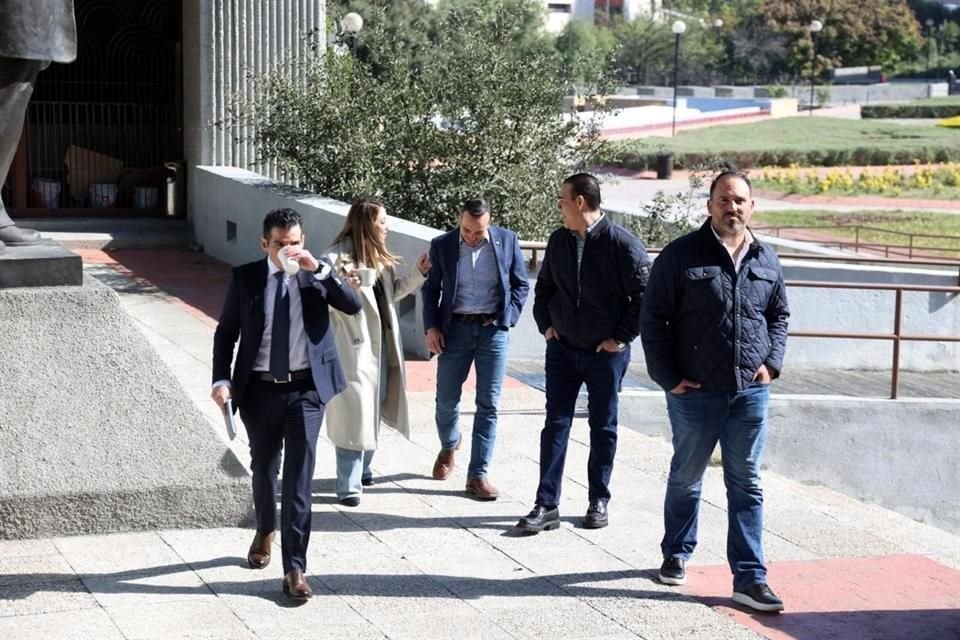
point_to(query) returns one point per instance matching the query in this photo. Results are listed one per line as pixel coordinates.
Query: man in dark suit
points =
(33, 34)
(474, 293)
(286, 371)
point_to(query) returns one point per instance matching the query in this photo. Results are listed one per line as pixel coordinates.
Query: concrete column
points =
(224, 43)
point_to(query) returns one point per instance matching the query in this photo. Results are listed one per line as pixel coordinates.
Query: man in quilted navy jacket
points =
(714, 328)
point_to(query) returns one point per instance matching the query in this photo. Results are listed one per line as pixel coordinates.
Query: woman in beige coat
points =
(368, 346)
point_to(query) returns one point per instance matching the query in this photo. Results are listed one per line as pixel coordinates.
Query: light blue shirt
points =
(478, 279)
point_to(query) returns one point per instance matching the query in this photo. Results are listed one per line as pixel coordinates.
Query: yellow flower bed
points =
(888, 181)
(950, 122)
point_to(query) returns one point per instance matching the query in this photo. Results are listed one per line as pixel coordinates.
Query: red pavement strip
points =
(897, 597)
(198, 283)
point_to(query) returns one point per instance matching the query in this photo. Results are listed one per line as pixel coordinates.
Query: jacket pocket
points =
(703, 273)
(329, 355)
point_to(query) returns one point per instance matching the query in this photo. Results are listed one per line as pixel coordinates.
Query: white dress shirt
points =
(298, 337)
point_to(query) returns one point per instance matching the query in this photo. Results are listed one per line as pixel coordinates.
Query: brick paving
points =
(895, 597)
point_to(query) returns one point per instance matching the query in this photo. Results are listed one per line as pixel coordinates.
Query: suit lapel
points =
(453, 260)
(258, 289)
(496, 242)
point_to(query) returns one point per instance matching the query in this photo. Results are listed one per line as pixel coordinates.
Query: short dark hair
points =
(731, 173)
(586, 185)
(475, 207)
(281, 219)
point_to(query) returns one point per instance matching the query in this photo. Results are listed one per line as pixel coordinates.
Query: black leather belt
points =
(472, 317)
(303, 374)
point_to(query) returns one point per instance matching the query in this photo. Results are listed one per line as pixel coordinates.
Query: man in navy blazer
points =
(285, 372)
(472, 296)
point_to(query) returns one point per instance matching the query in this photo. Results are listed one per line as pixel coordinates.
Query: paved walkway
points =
(418, 559)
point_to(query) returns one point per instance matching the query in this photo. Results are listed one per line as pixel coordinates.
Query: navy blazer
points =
(442, 279)
(243, 317)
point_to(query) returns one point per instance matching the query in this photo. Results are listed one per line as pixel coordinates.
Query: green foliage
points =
(585, 49)
(910, 110)
(480, 113)
(851, 36)
(776, 91)
(787, 141)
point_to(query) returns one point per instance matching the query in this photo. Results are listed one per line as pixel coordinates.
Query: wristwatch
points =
(621, 345)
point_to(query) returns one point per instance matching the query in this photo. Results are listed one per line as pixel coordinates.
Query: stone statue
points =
(33, 33)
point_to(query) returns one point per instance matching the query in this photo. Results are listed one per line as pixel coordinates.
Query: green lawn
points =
(955, 100)
(875, 226)
(803, 140)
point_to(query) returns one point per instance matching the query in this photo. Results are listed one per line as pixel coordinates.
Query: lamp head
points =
(816, 26)
(679, 27)
(352, 22)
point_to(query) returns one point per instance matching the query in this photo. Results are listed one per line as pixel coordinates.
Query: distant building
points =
(560, 12)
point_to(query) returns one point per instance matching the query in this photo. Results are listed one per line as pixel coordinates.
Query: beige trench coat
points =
(351, 415)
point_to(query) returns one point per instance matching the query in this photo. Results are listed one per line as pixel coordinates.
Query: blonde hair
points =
(368, 248)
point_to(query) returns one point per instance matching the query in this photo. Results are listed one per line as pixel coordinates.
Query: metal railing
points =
(896, 337)
(910, 249)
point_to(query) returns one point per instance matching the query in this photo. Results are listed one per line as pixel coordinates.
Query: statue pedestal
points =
(46, 264)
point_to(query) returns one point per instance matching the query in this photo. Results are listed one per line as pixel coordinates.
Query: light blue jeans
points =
(738, 420)
(486, 348)
(352, 468)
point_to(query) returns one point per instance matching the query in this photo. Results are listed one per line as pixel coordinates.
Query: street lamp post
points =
(678, 28)
(815, 27)
(929, 24)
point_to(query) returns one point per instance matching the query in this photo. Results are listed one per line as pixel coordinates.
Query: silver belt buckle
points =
(282, 381)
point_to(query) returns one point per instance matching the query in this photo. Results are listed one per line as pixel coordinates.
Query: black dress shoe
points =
(541, 518)
(596, 517)
(366, 481)
(350, 501)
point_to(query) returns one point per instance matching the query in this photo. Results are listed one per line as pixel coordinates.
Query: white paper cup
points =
(367, 276)
(290, 266)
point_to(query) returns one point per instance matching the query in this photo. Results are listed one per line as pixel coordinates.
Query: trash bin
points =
(664, 166)
(176, 189)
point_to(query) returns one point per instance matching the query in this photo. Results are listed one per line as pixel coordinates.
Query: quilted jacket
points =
(705, 322)
(603, 300)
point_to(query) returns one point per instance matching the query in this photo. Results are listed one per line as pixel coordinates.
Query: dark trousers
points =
(283, 418)
(16, 86)
(567, 369)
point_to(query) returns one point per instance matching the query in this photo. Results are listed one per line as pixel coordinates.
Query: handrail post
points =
(856, 239)
(910, 250)
(897, 319)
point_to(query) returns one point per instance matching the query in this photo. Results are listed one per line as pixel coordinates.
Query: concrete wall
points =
(839, 94)
(224, 196)
(900, 454)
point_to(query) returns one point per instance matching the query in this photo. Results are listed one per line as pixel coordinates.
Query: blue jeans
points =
(738, 420)
(486, 348)
(352, 468)
(567, 369)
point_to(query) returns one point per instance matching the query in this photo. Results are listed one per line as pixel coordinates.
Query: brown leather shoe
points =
(443, 467)
(258, 556)
(295, 585)
(482, 489)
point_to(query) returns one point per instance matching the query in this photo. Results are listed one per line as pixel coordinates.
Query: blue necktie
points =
(280, 334)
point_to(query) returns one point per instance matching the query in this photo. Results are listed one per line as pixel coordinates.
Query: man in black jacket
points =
(587, 306)
(714, 330)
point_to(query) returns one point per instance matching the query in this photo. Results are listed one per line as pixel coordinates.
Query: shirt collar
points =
(272, 269)
(748, 238)
(486, 239)
(590, 227)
